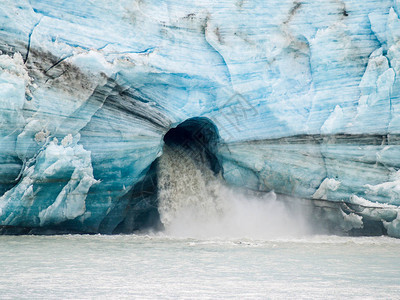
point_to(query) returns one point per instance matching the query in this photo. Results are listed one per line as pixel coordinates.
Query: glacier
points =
(297, 97)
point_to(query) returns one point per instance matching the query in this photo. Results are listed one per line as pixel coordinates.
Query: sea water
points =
(164, 267)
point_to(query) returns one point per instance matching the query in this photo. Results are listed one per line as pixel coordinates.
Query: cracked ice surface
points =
(305, 95)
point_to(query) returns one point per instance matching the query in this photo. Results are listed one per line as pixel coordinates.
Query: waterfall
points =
(194, 202)
(186, 186)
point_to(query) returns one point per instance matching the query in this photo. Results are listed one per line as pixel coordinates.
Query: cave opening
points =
(200, 137)
(197, 137)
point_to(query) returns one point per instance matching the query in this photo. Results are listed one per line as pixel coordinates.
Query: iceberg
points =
(299, 98)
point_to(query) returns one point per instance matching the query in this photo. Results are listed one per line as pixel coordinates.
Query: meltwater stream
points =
(195, 202)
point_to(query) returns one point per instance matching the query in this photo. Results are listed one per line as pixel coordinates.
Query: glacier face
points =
(304, 94)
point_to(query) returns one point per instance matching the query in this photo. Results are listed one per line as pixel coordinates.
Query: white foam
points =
(193, 202)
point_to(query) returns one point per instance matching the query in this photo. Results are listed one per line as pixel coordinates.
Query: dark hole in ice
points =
(198, 136)
(10, 178)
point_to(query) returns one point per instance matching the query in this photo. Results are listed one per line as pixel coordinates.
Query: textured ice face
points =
(305, 97)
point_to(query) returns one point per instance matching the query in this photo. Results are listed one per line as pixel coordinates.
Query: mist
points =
(196, 203)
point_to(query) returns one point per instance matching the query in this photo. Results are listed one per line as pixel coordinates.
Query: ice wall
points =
(305, 96)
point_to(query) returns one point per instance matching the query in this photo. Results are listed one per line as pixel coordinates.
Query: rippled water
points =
(152, 267)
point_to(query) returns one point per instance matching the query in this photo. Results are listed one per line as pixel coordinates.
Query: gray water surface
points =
(151, 267)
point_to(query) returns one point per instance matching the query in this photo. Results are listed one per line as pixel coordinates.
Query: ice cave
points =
(98, 100)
